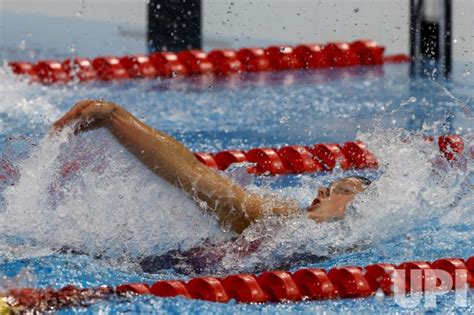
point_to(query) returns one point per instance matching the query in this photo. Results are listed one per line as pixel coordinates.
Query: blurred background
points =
(110, 27)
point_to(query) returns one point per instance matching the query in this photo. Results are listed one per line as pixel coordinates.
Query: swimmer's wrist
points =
(117, 112)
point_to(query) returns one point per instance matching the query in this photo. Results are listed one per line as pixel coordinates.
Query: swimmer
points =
(168, 158)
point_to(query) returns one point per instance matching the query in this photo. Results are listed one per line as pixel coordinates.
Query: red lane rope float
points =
(284, 58)
(320, 157)
(358, 155)
(254, 59)
(267, 161)
(330, 155)
(81, 68)
(312, 56)
(313, 283)
(270, 286)
(279, 286)
(298, 159)
(197, 62)
(225, 61)
(170, 288)
(378, 277)
(225, 158)
(292, 159)
(368, 52)
(244, 288)
(109, 68)
(341, 54)
(138, 66)
(450, 146)
(207, 288)
(398, 58)
(137, 288)
(167, 64)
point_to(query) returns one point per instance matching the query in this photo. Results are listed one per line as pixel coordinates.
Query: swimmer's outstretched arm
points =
(171, 160)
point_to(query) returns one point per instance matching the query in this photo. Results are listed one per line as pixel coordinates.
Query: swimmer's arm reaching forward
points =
(171, 160)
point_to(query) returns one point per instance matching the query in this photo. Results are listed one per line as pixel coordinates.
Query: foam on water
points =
(86, 192)
(114, 207)
(23, 102)
(416, 186)
(110, 206)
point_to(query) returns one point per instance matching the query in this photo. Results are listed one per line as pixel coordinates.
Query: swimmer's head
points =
(333, 200)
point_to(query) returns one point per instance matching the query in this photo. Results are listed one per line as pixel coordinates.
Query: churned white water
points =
(416, 187)
(87, 193)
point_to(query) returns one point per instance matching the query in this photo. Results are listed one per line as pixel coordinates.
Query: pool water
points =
(115, 211)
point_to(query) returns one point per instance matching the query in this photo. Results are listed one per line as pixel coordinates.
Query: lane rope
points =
(218, 62)
(270, 286)
(294, 159)
(278, 286)
(297, 159)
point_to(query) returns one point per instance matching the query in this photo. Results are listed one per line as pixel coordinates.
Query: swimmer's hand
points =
(87, 114)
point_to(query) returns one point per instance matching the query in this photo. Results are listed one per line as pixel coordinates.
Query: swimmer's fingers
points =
(97, 110)
(73, 114)
(88, 126)
(87, 113)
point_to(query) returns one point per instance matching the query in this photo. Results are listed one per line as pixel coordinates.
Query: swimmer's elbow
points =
(240, 226)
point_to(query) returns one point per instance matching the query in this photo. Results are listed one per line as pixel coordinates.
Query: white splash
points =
(111, 206)
(411, 191)
(25, 101)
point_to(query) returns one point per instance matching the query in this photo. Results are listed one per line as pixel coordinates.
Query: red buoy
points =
(330, 155)
(358, 155)
(206, 158)
(416, 283)
(169, 288)
(283, 58)
(225, 158)
(267, 161)
(195, 61)
(450, 146)
(312, 56)
(138, 66)
(109, 68)
(297, 159)
(244, 288)
(279, 286)
(340, 54)
(167, 64)
(368, 52)
(224, 61)
(380, 276)
(470, 268)
(207, 288)
(81, 68)
(398, 58)
(253, 59)
(315, 284)
(136, 288)
(455, 266)
(350, 281)
(51, 71)
(22, 68)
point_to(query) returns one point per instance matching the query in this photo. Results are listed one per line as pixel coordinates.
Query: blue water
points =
(115, 208)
